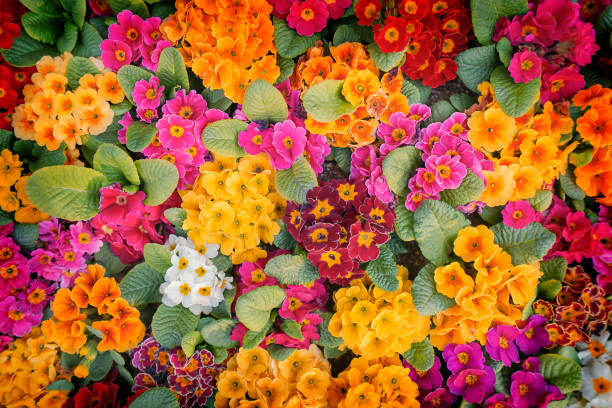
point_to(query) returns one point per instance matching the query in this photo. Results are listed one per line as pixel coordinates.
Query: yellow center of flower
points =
(601, 385)
(84, 238)
(398, 134)
(526, 65)
(288, 142)
(528, 29)
(331, 258)
(596, 348)
(557, 84)
(131, 34)
(186, 112)
(294, 304)
(6, 253)
(319, 235)
(365, 238)
(307, 14)
(377, 214)
(370, 10)
(523, 389)
(257, 139)
(529, 333)
(463, 357)
(347, 192)
(503, 342)
(444, 171)
(448, 45)
(429, 177)
(70, 256)
(392, 35)
(149, 113)
(176, 131)
(471, 379)
(120, 55)
(150, 94)
(457, 128)
(322, 209)
(204, 291)
(517, 215)
(15, 315)
(201, 271)
(2, 92)
(258, 275)
(37, 296)
(168, 158)
(184, 289)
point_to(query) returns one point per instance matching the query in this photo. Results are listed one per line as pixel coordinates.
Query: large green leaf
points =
(77, 9)
(324, 101)
(263, 101)
(100, 366)
(525, 245)
(385, 61)
(515, 99)
(111, 262)
(291, 269)
(411, 92)
(290, 44)
(76, 68)
(171, 71)
(157, 256)
(128, 75)
(427, 300)
(42, 28)
(141, 285)
(221, 137)
(436, 225)
(139, 136)
(116, 165)
(440, 111)
(217, 333)
(485, 14)
(253, 308)
(159, 397)
(137, 6)
(42, 157)
(420, 355)
(89, 44)
(68, 40)
(44, 7)
(470, 189)
(294, 182)
(26, 51)
(170, 324)
(475, 65)
(404, 222)
(159, 179)
(352, 33)
(561, 371)
(398, 166)
(382, 271)
(69, 192)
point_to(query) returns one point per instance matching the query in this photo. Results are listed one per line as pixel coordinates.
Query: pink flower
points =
(238, 333)
(529, 28)
(449, 171)
(43, 263)
(150, 30)
(181, 160)
(281, 8)
(255, 141)
(115, 54)
(299, 301)
(456, 125)
(419, 112)
(138, 231)
(453, 146)
(561, 84)
(288, 143)
(308, 17)
(577, 226)
(147, 94)
(187, 105)
(361, 160)
(175, 132)
(146, 114)
(377, 185)
(38, 295)
(125, 122)
(16, 318)
(584, 43)
(525, 66)
(518, 214)
(398, 132)
(69, 258)
(128, 29)
(9, 251)
(253, 276)
(49, 230)
(336, 8)
(308, 327)
(426, 178)
(13, 276)
(115, 203)
(430, 135)
(565, 15)
(316, 151)
(83, 239)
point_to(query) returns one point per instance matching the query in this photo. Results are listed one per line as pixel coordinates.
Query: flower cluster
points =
(375, 323)
(309, 16)
(53, 114)
(553, 42)
(9, 28)
(496, 294)
(595, 355)
(432, 393)
(192, 378)
(253, 378)
(12, 82)
(234, 204)
(26, 369)
(133, 40)
(227, 44)
(105, 391)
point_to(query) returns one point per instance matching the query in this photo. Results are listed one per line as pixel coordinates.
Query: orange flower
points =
(120, 309)
(69, 130)
(80, 297)
(472, 242)
(131, 332)
(87, 280)
(560, 123)
(363, 132)
(595, 126)
(44, 133)
(518, 138)
(450, 279)
(317, 67)
(30, 215)
(109, 88)
(64, 306)
(103, 292)
(491, 130)
(541, 153)
(358, 85)
(110, 335)
(376, 104)
(392, 84)
(592, 96)
(397, 103)
(265, 69)
(527, 181)
(70, 335)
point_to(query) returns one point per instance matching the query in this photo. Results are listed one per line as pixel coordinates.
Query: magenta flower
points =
(525, 66)
(565, 15)
(561, 84)
(38, 295)
(449, 172)
(577, 225)
(299, 301)
(100, 7)
(115, 54)
(150, 30)
(337, 8)
(531, 364)
(426, 380)
(498, 401)
(529, 28)
(9, 251)
(500, 344)
(138, 231)
(187, 105)
(419, 112)
(518, 214)
(128, 29)
(150, 53)
(288, 143)
(361, 161)
(398, 132)
(453, 146)
(253, 276)
(427, 180)
(43, 263)
(377, 185)
(13, 275)
(125, 122)
(83, 239)
(49, 230)
(456, 125)
(472, 384)
(584, 44)
(430, 135)
(308, 326)
(175, 132)
(16, 318)
(533, 336)
(529, 389)
(438, 398)
(255, 141)
(460, 357)
(316, 150)
(147, 94)
(308, 17)
(115, 203)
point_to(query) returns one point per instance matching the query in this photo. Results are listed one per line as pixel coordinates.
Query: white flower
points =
(174, 241)
(599, 348)
(176, 292)
(597, 384)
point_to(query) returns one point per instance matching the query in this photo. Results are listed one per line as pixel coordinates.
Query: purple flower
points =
(531, 390)
(456, 125)
(427, 380)
(463, 356)
(128, 29)
(525, 66)
(438, 398)
(518, 214)
(253, 140)
(16, 317)
(449, 172)
(175, 133)
(472, 384)
(398, 132)
(115, 54)
(531, 364)
(147, 94)
(534, 335)
(289, 142)
(500, 344)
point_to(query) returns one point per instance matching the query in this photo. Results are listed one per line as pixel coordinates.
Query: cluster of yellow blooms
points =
(26, 368)
(254, 379)
(531, 148)
(496, 295)
(374, 383)
(52, 114)
(234, 204)
(375, 323)
(10, 177)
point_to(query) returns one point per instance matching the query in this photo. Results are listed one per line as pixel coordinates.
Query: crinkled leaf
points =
(216, 99)
(263, 101)
(128, 75)
(286, 66)
(60, 385)
(42, 28)
(170, 324)
(116, 165)
(222, 262)
(217, 333)
(158, 178)
(548, 289)
(294, 182)
(158, 397)
(404, 222)
(253, 308)
(25, 235)
(290, 44)
(284, 240)
(157, 256)
(141, 285)
(470, 189)
(342, 156)
(171, 71)
(89, 43)
(504, 50)
(176, 216)
(475, 65)
(382, 271)
(398, 166)
(525, 245)
(324, 101)
(385, 61)
(427, 300)
(223, 309)
(76, 68)
(77, 9)
(221, 137)
(515, 99)
(420, 355)
(485, 14)
(190, 341)
(139, 136)
(108, 260)
(569, 186)
(440, 111)
(561, 371)
(44, 7)
(411, 92)
(291, 269)
(462, 101)
(553, 268)
(280, 353)
(326, 339)
(541, 200)
(100, 366)
(137, 6)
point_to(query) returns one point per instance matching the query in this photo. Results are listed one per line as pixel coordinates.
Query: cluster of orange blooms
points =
(528, 150)
(27, 367)
(234, 204)
(595, 127)
(52, 114)
(496, 295)
(228, 44)
(375, 323)
(10, 177)
(375, 100)
(254, 379)
(374, 383)
(71, 314)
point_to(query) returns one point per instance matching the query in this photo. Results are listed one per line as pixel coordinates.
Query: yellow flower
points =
(314, 383)
(363, 312)
(109, 88)
(385, 323)
(472, 242)
(500, 186)
(252, 362)
(219, 215)
(69, 130)
(450, 279)
(231, 384)
(65, 103)
(8, 200)
(358, 85)
(96, 119)
(10, 168)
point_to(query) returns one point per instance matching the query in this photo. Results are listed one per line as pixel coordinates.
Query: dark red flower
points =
(363, 242)
(413, 9)
(8, 96)
(419, 48)
(443, 71)
(320, 237)
(336, 265)
(367, 10)
(97, 395)
(8, 30)
(566, 296)
(456, 22)
(556, 334)
(391, 37)
(573, 334)
(380, 216)
(544, 308)
(350, 193)
(574, 313)
(453, 44)
(323, 205)
(293, 219)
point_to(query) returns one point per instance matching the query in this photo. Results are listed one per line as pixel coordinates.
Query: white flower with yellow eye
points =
(597, 384)
(599, 348)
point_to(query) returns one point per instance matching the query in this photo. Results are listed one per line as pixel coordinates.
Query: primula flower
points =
(288, 141)
(459, 357)
(518, 214)
(83, 239)
(472, 384)
(529, 389)
(308, 17)
(115, 54)
(147, 94)
(449, 171)
(358, 85)
(392, 36)
(8, 30)
(190, 105)
(472, 242)
(533, 336)
(450, 279)
(438, 398)
(175, 132)
(398, 132)
(115, 204)
(128, 29)
(367, 10)
(525, 66)
(491, 129)
(500, 344)
(364, 241)
(561, 84)
(16, 317)
(427, 380)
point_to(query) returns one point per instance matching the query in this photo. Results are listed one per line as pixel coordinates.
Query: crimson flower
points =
(364, 241)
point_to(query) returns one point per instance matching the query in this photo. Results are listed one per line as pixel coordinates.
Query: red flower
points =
(367, 10)
(419, 48)
(97, 395)
(8, 96)
(308, 17)
(293, 219)
(443, 71)
(414, 9)
(323, 205)
(456, 22)
(380, 216)
(557, 335)
(453, 44)
(364, 242)
(392, 37)
(349, 193)
(320, 237)
(336, 265)
(573, 334)
(544, 308)
(8, 30)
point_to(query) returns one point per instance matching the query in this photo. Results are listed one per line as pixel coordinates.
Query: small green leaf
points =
(108, 260)
(128, 75)
(420, 355)
(514, 99)
(89, 43)
(139, 136)
(76, 68)
(404, 222)
(342, 156)
(263, 101)
(548, 289)
(411, 92)
(470, 189)
(116, 165)
(385, 61)
(525, 245)
(326, 339)
(280, 353)
(100, 366)
(382, 271)
(42, 28)
(77, 9)
(216, 99)
(44, 7)
(561, 371)
(170, 324)
(190, 341)
(136, 6)
(440, 111)
(223, 309)
(324, 101)
(475, 65)
(504, 50)
(292, 329)
(541, 200)
(253, 308)
(171, 71)
(398, 166)
(569, 186)
(176, 216)
(554, 268)
(294, 182)
(141, 285)
(159, 179)
(284, 240)
(60, 385)
(427, 300)
(462, 101)
(157, 257)
(221, 137)
(158, 397)
(68, 40)
(217, 333)
(26, 236)
(290, 44)
(291, 269)
(286, 66)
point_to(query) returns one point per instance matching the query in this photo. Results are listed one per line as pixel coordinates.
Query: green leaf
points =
(68, 192)
(217, 333)
(470, 189)
(171, 71)
(525, 245)
(60, 385)
(385, 61)
(125, 374)
(136, 6)
(68, 40)
(42, 28)
(411, 92)
(541, 200)
(569, 186)
(420, 355)
(139, 136)
(346, 33)
(141, 285)
(561, 371)
(100, 366)
(462, 101)
(554, 268)
(158, 397)
(284, 240)
(253, 338)
(44, 7)
(190, 341)
(427, 300)
(108, 260)
(326, 339)
(117, 358)
(216, 99)
(157, 257)
(222, 262)
(6, 139)
(582, 155)
(514, 99)
(291, 269)
(382, 271)
(290, 44)
(89, 44)
(280, 353)
(342, 156)
(475, 65)
(221, 137)
(263, 101)
(324, 101)
(398, 166)
(170, 324)
(223, 309)
(604, 22)
(116, 165)
(292, 329)
(77, 9)
(286, 66)
(436, 225)
(485, 14)
(404, 222)
(128, 75)
(294, 182)
(159, 179)
(176, 216)
(26, 235)
(253, 308)
(440, 111)
(26, 51)
(548, 289)
(504, 50)
(424, 91)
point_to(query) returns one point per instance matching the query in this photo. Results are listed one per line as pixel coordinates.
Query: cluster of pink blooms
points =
(127, 224)
(133, 40)
(181, 122)
(553, 42)
(309, 16)
(300, 304)
(285, 141)
(578, 237)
